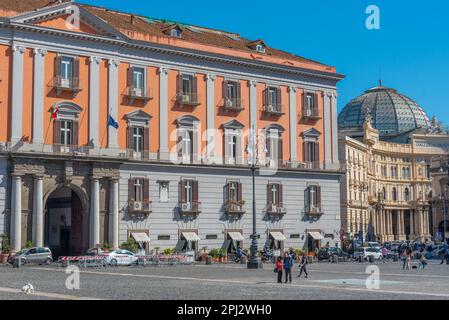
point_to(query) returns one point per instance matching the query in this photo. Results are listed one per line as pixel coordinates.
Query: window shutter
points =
(75, 133)
(239, 191)
(179, 83)
(227, 191)
(194, 85)
(58, 66)
(281, 196)
(130, 145)
(225, 90)
(269, 194)
(307, 199)
(182, 191)
(304, 104)
(146, 139)
(265, 97)
(146, 190)
(280, 151)
(268, 144)
(76, 73)
(57, 132)
(317, 153)
(131, 190)
(130, 76)
(318, 197)
(315, 104)
(195, 191)
(278, 97)
(305, 151)
(239, 94)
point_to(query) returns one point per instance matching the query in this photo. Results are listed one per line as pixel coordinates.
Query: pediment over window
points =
(187, 121)
(311, 133)
(173, 31)
(138, 116)
(67, 108)
(273, 127)
(233, 124)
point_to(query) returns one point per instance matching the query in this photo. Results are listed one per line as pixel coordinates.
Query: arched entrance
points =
(441, 228)
(64, 233)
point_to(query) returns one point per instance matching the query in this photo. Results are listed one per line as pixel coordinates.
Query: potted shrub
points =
(6, 249)
(28, 244)
(130, 245)
(204, 254)
(106, 247)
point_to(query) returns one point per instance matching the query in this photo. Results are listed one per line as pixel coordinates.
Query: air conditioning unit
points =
(137, 206)
(136, 92)
(185, 98)
(185, 206)
(229, 103)
(270, 108)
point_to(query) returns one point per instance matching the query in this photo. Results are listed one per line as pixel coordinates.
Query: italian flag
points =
(54, 113)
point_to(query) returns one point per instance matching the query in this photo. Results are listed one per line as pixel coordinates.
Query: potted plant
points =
(157, 250)
(28, 244)
(6, 249)
(130, 245)
(204, 254)
(106, 247)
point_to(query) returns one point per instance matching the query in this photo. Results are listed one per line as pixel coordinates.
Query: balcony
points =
(273, 109)
(139, 94)
(189, 208)
(71, 150)
(66, 84)
(136, 155)
(188, 99)
(309, 114)
(232, 207)
(310, 165)
(233, 104)
(314, 212)
(140, 207)
(276, 209)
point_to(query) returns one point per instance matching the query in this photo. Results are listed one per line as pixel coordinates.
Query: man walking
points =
(288, 261)
(302, 265)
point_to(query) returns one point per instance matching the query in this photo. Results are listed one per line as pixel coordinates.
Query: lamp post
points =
(363, 188)
(251, 149)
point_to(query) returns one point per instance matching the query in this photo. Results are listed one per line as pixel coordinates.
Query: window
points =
(406, 194)
(232, 147)
(231, 90)
(163, 191)
(384, 194)
(138, 80)
(187, 90)
(175, 33)
(311, 152)
(260, 48)
(138, 195)
(187, 145)
(272, 100)
(189, 195)
(274, 194)
(272, 96)
(274, 146)
(138, 189)
(313, 197)
(310, 108)
(186, 84)
(394, 195)
(137, 139)
(66, 70)
(138, 134)
(66, 132)
(66, 73)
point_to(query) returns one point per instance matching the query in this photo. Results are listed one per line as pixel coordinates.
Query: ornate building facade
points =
(440, 197)
(115, 125)
(387, 143)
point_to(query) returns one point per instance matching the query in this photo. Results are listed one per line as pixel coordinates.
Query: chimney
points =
(133, 18)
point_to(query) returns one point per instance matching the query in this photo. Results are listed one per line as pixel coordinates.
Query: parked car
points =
(366, 252)
(327, 253)
(375, 245)
(395, 246)
(39, 255)
(121, 258)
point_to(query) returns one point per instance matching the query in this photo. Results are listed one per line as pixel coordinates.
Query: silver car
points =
(39, 255)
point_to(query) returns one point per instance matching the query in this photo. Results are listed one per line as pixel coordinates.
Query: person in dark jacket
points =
(288, 262)
(279, 266)
(302, 265)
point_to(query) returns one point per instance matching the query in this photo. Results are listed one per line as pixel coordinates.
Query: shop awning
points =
(190, 236)
(140, 237)
(316, 235)
(237, 236)
(278, 236)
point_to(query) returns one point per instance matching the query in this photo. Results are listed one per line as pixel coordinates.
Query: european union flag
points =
(112, 122)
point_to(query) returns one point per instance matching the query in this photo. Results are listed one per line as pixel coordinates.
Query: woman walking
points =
(302, 265)
(279, 266)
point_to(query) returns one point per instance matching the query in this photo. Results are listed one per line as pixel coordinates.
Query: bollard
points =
(16, 263)
(371, 259)
(243, 260)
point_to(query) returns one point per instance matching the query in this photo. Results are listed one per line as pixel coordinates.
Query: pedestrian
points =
(422, 262)
(278, 269)
(302, 265)
(384, 254)
(409, 253)
(443, 253)
(404, 258)
(288, 261)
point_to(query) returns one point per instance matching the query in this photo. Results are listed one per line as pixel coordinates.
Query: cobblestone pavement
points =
(233, 281)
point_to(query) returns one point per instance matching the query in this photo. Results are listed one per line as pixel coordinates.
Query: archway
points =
(64, 223)
(441, 232)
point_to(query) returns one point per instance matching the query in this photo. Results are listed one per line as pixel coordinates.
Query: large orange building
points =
(115, 125)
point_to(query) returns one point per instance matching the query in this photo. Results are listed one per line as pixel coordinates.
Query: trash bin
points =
(371, 259)
(208, 260)
(16, 263)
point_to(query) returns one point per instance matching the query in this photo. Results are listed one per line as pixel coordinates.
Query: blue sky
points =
(409, 53)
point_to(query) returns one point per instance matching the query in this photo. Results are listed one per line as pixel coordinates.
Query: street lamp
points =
(252, 149)
(363, 188)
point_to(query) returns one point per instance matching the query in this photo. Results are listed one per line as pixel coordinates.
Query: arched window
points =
(394, 194)
(406, 194)
(384, 194)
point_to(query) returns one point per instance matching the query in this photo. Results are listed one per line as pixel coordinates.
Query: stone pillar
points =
(163, 114)
(38, 96)
(17, 93)
(293, 124)
(38, 212)
(334, 123)
(412, 223)
(113, 102)
(327, 119)
(210, 118)
(94, 101)
(94, 212)
(114, 218)
(381, 223)
(16, 213)
(253, 104)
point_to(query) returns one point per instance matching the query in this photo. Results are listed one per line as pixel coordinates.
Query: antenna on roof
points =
(380, 82)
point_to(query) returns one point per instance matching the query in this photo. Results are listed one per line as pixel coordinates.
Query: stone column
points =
(94, 211)
(334, 123)
(114, 222)
(381, 223)
(163, 114)
(17, 93)
(327, 119)
(94, 101)
(16, 213)
(253, 104)
(113, 102)
(412, 223)
(38, 212)
(210, 118)
(38, 97)
(293, 124)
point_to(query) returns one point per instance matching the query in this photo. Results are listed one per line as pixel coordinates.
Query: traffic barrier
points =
(161, 259)
(83, 261)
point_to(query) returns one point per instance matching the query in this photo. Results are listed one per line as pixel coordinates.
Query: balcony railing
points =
(273, 109)
(276, 209)
(67, 84)
(189, 208)
(232, 104)
(188, 99)
(136, 207)
(232, 207)
(311, 165)
(65, 149)
(314, 211)
(136, 155)
(139, 93)
(309, 114)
